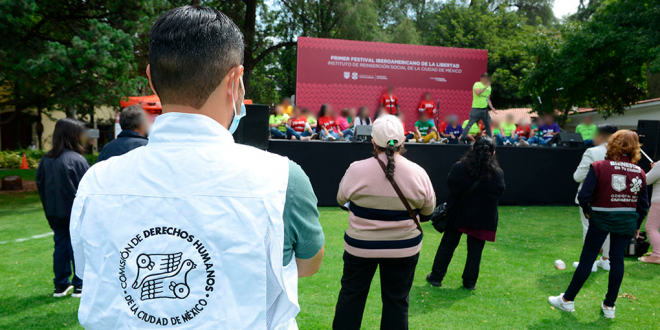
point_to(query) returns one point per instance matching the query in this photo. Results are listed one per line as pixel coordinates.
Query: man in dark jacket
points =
(134, 128)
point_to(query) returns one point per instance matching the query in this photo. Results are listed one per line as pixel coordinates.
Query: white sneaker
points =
(604, 264)
(608, 312)
(420, 140)
(594, 268)
(558, 301)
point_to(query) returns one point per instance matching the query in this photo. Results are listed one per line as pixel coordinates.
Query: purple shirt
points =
(547, 130)
(458, 130)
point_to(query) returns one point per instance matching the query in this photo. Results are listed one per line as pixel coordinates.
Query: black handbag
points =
(638, 246)
(440, 216)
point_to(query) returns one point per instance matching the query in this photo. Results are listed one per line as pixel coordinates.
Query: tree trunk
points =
(40, 128)
(249, 29)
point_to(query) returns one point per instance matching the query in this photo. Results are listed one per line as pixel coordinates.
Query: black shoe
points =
(432, 282)
(77, 292)
(62, 290)
(470, 287)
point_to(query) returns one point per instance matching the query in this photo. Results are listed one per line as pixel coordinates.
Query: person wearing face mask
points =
(192, 230)
(134, 129)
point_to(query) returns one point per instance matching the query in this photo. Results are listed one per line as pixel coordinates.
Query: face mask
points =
(237, 117)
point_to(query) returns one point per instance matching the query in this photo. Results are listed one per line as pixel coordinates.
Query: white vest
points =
(184, 233)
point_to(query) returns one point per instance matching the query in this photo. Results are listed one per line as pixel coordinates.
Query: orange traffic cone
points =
(24, 165)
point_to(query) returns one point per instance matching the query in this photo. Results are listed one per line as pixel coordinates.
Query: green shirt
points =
(311, 120)
(474, 130)
(588, 132)
(424, 127)
(281, 120)
(496, 131)
(303, 233)
(480, 101)
(508, 129)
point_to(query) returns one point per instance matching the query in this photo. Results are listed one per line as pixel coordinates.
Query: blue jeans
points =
(537, 140)
(409, 137)
(452, 141)
(502, 139)
(348, 134)
(330, 133)
(589, 143)
(276, 133)
(592, 244)
(63, 259)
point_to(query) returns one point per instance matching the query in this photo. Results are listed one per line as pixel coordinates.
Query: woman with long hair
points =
(475, 215)
(362, 117)
(614, 199)
(328, 128)
(381, 232)
(58, 175)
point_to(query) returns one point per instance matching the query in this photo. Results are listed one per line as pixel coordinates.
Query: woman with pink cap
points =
(387, 196)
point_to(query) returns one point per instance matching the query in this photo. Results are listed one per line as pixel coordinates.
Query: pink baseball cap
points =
(388, 128)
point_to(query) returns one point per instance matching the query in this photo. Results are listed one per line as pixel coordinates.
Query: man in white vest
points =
(590, 156)
(194, 231)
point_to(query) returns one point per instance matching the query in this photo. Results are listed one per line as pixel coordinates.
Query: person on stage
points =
(590, 156)
(475, 216)
(389, 101)
(614, 199)
(587, 129)
(481, 105)
(287, 108)
(381, 233)
(194, 231)
(425, 130)
(428, 106)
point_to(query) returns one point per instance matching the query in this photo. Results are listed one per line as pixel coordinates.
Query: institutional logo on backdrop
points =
(354, 75)
(618, 182)
(347, 74)
(166, 276)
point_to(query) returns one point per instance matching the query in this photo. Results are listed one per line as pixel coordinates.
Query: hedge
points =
(14, 159)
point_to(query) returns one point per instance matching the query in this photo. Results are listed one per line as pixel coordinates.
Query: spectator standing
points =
(277, 121)
(481, 104)
(287, 108)
(328, 128)
(453, 130)
(587, 129)
(300, 128)
(476, 215)
(233, 226)
(653, 220)
(58, 175)
(389, 101)
(425, 130)
(134, 129)
(614, 199)
(428, 106)
(381, 233)
(507, 134)
(589, 157)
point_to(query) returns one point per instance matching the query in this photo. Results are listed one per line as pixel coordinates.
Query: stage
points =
(533, 175)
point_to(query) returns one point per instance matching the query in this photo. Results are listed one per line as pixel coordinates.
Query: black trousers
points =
(448, 245)
(63, 259)
(592, 244)
(396, 279)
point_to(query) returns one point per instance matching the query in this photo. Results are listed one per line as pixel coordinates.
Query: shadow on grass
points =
(554, 284)
(434, 299)
(569, 321)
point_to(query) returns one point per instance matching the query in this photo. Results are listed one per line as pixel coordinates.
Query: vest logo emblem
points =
(163, 276)
(618, 182)
(636, 185)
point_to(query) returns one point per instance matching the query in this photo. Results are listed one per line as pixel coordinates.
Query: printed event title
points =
(391, 64)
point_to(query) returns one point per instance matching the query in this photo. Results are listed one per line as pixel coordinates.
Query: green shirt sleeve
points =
(303, 233)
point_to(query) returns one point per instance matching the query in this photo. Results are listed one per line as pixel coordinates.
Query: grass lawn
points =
(517, 275)
(26, 175)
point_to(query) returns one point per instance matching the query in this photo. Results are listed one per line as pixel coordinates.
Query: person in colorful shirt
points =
(428, 106)
(615, 200)
(328, 127)
(345, 127)
(425, 130)
(311, 120)
(300, 129)
(453, 130)
(442, 127)
(473, 132)
(481, 104)
(588, 130)
(523, 132)
(277, 122)
(287, 108)
(507, 133)
(390, 101)
(546, 130)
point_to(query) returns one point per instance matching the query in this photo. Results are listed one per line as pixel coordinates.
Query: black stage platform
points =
(534, 175)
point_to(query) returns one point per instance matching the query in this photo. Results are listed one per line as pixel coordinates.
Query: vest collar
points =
(186, 128)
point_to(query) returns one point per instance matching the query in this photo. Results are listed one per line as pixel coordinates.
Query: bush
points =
(14, 159)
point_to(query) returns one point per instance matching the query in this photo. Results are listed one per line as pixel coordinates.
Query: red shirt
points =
(522, 131)
(428, 107)
(443, 127)
(328, 123)
(298, 124)
(390, 103)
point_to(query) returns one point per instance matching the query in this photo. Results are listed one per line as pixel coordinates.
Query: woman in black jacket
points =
(58, 175)
(475, 216)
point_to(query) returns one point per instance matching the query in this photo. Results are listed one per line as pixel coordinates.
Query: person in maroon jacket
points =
(614, 199)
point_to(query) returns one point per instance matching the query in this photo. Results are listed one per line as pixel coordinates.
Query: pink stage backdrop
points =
(347, 73)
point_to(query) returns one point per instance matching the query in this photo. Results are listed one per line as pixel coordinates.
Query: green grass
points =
(517, 275)
(26, 175)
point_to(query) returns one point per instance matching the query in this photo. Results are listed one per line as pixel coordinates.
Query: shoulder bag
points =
(440, 217)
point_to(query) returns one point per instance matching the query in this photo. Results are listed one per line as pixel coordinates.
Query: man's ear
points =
(234, 83)
(149, 77)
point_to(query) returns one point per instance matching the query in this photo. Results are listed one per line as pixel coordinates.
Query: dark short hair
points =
(191, 50)
(485, 75)
(132, 117)
(607, 129)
